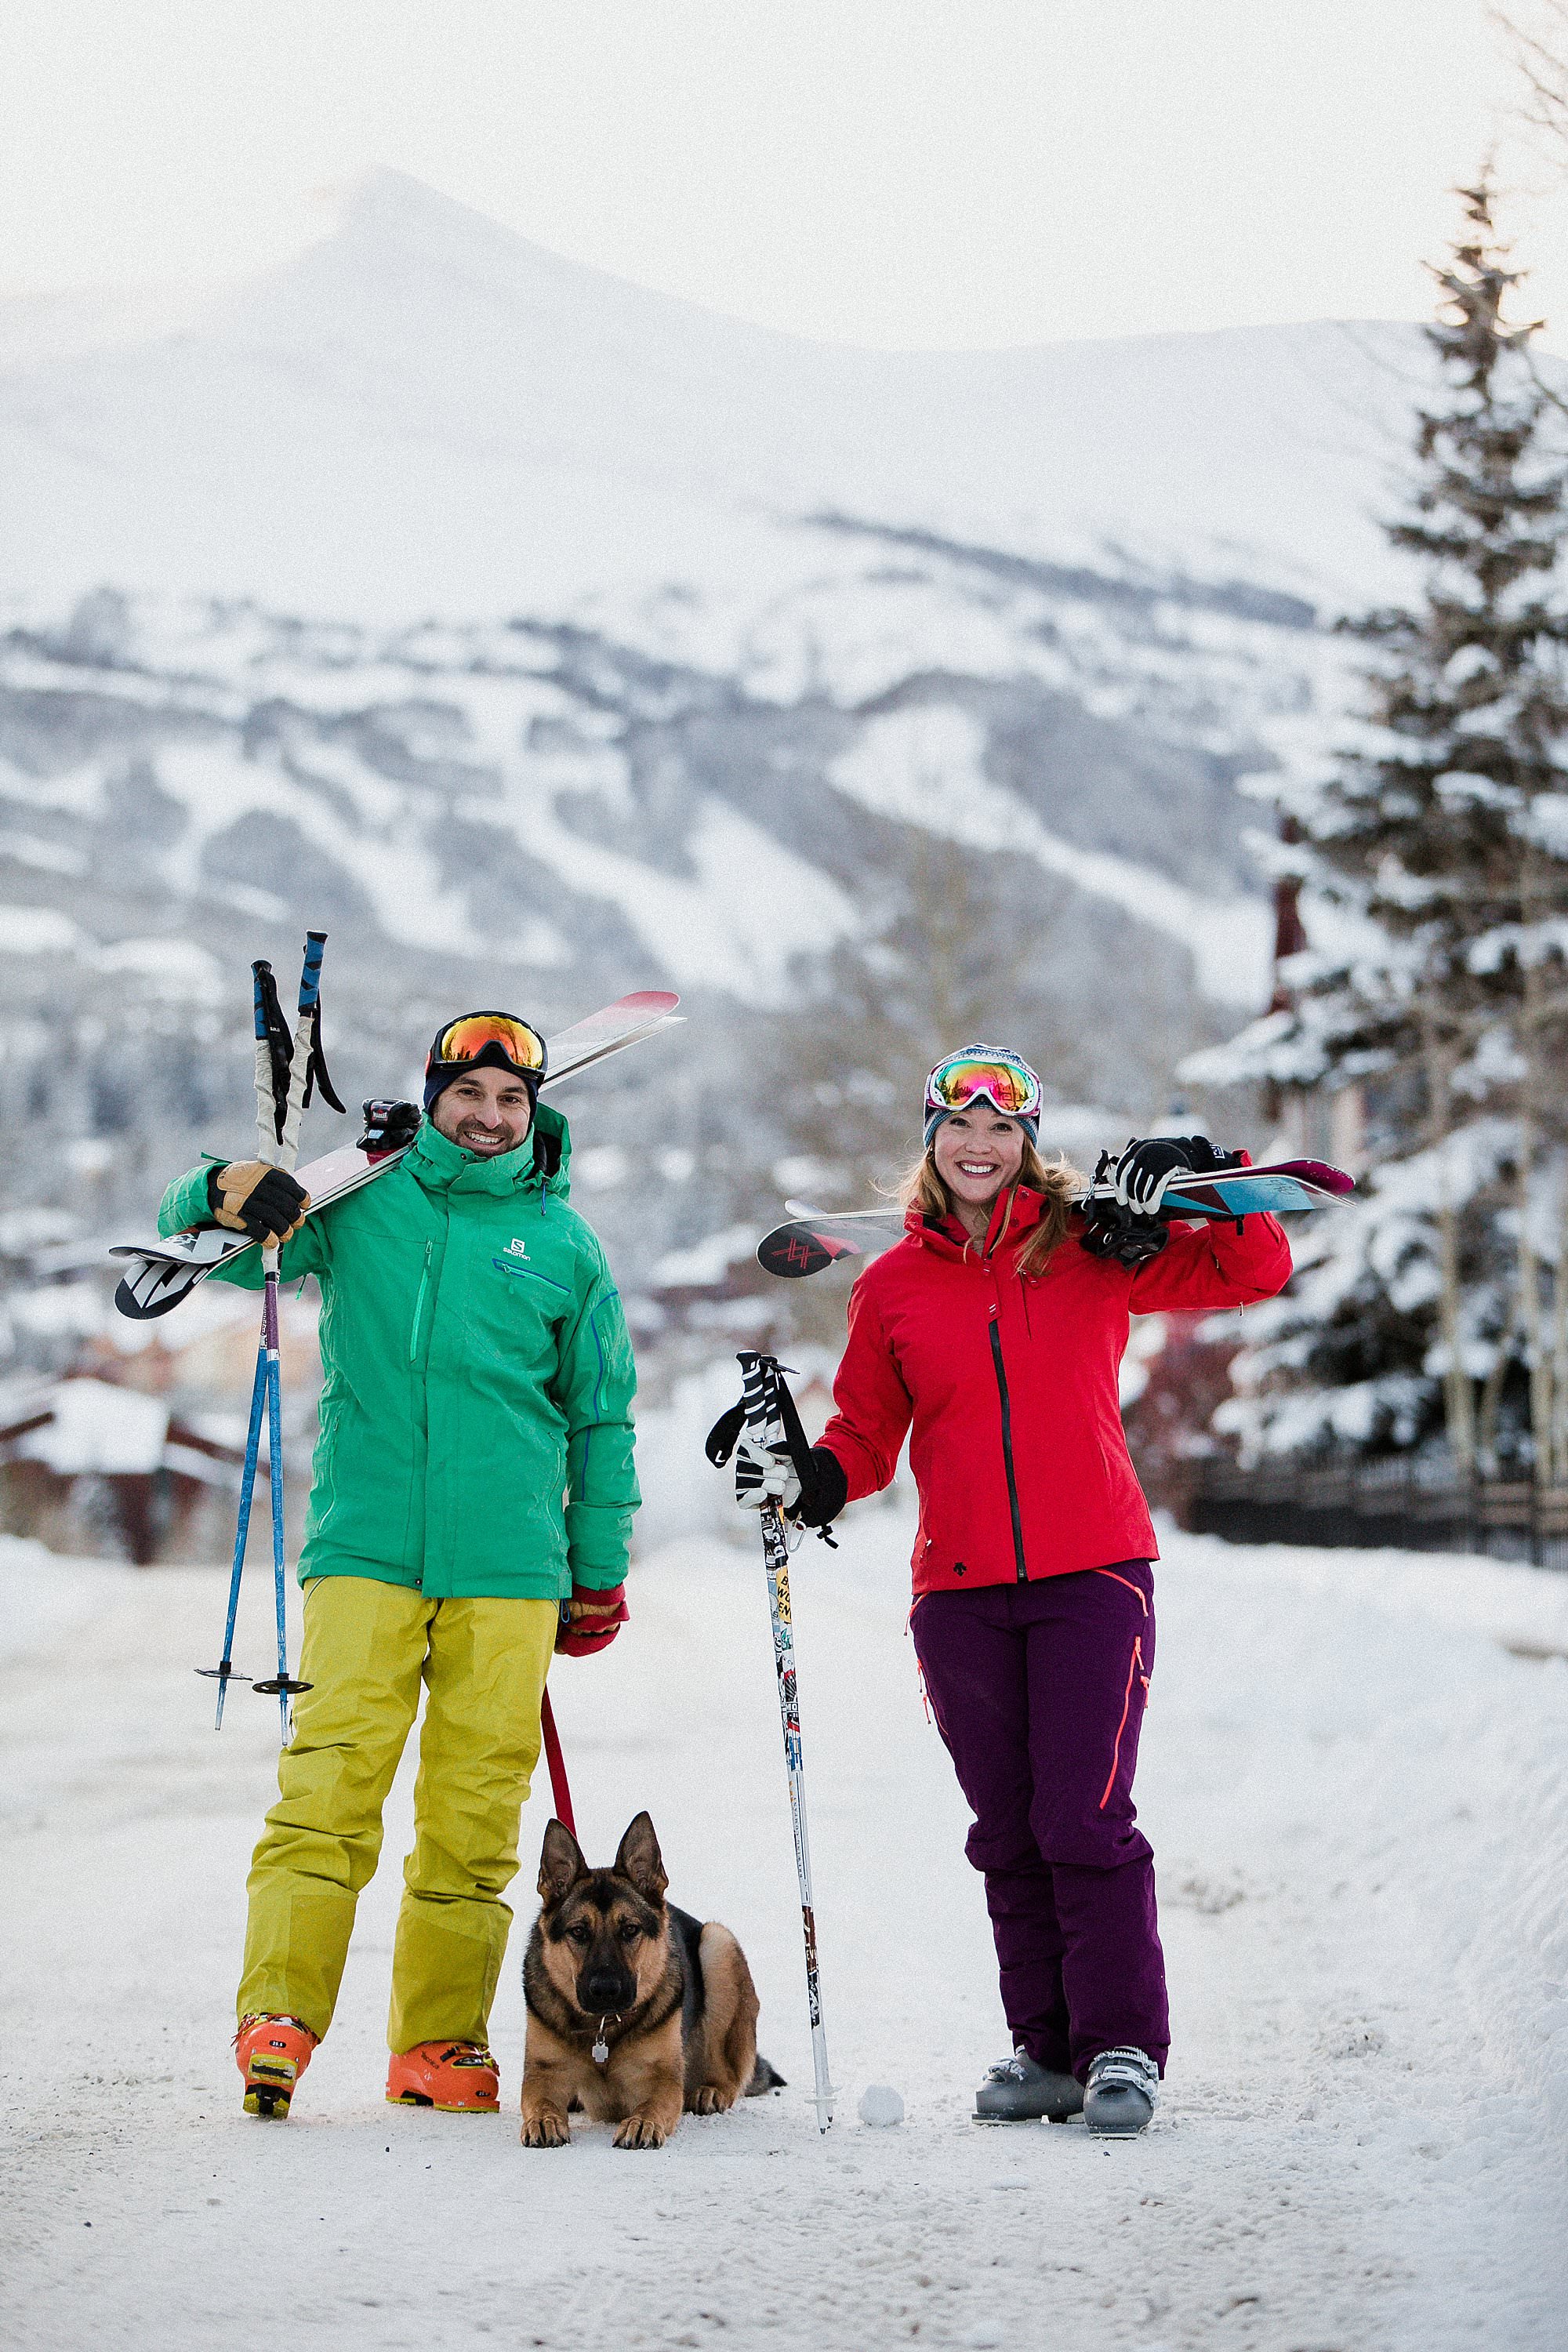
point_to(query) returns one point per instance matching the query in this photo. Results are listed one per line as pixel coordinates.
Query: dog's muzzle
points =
(606, 1991)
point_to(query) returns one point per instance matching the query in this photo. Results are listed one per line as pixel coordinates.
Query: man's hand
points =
(593, 1618)
(251, 1197)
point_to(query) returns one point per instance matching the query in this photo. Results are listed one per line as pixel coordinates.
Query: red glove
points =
(591, 1620)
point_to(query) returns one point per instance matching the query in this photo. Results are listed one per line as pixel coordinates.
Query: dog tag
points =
(601, 2049)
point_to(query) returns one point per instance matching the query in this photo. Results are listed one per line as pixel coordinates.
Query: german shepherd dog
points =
(636, 2009)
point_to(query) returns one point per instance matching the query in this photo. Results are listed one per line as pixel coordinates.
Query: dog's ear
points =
(560, 1864)
(639, 1859)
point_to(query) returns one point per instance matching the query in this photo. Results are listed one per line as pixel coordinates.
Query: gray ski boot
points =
(1019, 2091)
(1120, 2096)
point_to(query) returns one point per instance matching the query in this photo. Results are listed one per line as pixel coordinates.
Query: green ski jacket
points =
(475, 1417)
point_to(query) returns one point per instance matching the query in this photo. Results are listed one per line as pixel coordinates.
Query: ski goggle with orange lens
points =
(489, 1037)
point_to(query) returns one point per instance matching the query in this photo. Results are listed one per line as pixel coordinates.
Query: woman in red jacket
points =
(992, 1335)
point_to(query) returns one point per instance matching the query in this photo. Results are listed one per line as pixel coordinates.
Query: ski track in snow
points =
(1360, 1803)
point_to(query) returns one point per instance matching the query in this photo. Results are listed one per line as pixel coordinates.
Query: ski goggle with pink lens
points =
(984, 1073)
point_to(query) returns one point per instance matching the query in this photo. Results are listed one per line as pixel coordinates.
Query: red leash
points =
(557, 1763)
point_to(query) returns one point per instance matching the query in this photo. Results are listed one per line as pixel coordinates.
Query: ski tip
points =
(1318, 1172)
(650, 1004)
(887, 1215)
(145, 1296)
(794, 1251)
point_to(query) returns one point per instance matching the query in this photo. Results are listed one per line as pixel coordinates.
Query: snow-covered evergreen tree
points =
(1434, 863)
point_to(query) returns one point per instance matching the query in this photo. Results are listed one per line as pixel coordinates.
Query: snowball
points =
(880, 2107)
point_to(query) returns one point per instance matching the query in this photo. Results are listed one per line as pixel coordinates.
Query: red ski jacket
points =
(1011, 1384)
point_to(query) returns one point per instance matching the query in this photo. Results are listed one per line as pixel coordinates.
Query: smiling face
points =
(486, 1111)
(978, 1153)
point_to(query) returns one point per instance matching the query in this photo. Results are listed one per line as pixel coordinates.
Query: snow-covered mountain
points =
(425, 413)
(543, 635)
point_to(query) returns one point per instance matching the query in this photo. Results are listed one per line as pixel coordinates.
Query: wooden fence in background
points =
(1415, 1506)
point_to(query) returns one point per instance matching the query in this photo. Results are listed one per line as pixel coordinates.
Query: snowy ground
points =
(1360, 1800)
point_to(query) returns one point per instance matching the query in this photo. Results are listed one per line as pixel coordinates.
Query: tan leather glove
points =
(250, 1197)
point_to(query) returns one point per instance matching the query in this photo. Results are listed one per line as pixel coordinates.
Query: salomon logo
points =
(515, 1248)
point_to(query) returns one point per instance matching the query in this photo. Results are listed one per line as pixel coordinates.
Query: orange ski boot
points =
(272, 2052)
(460, 2078)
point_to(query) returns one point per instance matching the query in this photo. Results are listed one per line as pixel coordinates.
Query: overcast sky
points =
(881, 172)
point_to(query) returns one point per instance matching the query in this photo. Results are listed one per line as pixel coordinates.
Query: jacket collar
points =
(1015, 1213)
(443, 1166)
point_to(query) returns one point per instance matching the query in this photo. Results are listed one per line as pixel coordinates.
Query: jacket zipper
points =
(419, 1305)
(1007, 1451)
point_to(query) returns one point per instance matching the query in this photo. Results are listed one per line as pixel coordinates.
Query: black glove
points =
(1112, 1231)
(251, 1197)
(823, 1490)
(388, 1126)
(1142, 1173)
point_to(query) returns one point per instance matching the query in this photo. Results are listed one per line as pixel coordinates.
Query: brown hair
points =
(1057, 1180)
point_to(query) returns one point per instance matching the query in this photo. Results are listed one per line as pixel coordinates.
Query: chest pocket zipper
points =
(531, 1273)
(419, 1304)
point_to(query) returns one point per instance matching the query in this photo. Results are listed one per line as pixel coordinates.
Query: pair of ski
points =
(813, 1239)
(168, 1268)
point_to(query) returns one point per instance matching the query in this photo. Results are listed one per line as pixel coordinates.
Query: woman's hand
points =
(1142, 1174)
(813, 1495)
(823, 1493)
(764, 1474)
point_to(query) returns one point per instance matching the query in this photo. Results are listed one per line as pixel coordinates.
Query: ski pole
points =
(760, 1382)
(223, 1671)
(280, 1684)
(283, 1139)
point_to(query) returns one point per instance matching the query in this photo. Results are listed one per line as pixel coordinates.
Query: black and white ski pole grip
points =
(761, 1380)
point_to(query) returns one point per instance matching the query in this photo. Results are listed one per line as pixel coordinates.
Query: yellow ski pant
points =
(367, 1649)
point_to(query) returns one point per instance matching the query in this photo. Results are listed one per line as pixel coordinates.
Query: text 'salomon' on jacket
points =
(476, 1434)
(1011, 1386)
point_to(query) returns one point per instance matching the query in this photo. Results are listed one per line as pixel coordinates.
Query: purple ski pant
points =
(1038, 1691)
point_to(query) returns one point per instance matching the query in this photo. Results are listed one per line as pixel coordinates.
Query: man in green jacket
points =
(471, 1507)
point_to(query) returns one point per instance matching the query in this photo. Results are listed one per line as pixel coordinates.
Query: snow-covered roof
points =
(95, 1427)
(705, 1262)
